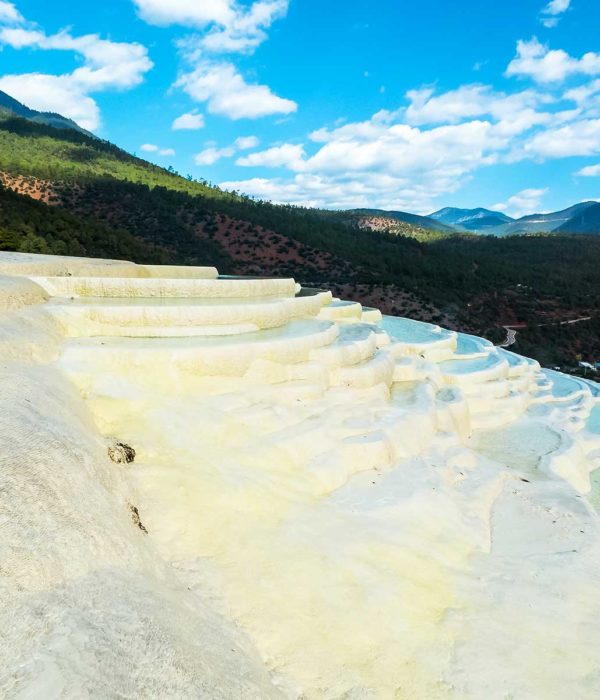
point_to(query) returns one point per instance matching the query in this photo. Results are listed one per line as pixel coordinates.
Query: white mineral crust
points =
(323, 503)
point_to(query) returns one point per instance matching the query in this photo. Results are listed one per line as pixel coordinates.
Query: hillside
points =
(117, 201)
(586, 220)
(422, 222)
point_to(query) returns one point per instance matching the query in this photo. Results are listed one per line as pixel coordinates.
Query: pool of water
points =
(519, 446)
(593, 421)
(407, 330)
(469, 366)
(563, 385)
(472, 345)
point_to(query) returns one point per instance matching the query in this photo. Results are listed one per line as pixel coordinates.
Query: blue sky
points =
(336, 103)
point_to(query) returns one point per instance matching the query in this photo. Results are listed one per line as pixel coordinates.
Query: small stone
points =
(120, 453)
(135, 517)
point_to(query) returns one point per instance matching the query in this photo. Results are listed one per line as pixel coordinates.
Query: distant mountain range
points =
(8, 103)
(470, 219)
(580, 218)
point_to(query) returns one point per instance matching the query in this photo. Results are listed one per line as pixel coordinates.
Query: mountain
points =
(585, 220)
(542, 223)
(470, 219)
(8, 103)
(414, 219)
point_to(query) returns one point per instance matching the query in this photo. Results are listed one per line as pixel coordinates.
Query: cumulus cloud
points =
(288, 156)
(589, 171)
(314, 190)
(552, 11)
(229, 26)
(225, 92)
(209, 156)
(222, 27)
(523, 203)
(514, 113)
(579, 138)
(190, 120)
(153, 148)
(243, 143)
(212, 154)
(9, 13)
(535, 60)
(376, 162)
(106, 65)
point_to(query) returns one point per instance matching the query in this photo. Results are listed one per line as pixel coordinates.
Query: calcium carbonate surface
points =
(324, 503)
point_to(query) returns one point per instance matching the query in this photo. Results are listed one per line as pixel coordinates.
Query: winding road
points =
(511, 337)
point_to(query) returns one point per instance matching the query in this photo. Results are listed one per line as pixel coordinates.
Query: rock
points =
(120, 453)
(135, 517)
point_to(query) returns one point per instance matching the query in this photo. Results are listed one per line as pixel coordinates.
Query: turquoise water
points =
(407, 330)
(593, 421)
(563, 385)
(468, 366)
(471, 344)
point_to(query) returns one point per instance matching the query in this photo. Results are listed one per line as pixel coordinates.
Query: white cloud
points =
(226, 92)
(375, 163)
(515, 113)
(537, 61)
(247, 30)
(400, 149)
(153, 148)
(523, 203)
(209, 156)
(107, 65)
(224, 27)
(552, 11)
(190, 120)
(579, 138)
(229, 26)
(589, 171)
(243, 143)
(288, 155)
(190, 13)
(343, 193)
(585, 95)
(9, 13)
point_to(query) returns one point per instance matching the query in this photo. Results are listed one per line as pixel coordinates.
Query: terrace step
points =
(148, 288)
(160, 317)
(339, 310)
(230, 355)
(378, 369)
(356, 343)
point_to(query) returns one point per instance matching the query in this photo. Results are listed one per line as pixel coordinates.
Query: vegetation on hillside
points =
(28, 226)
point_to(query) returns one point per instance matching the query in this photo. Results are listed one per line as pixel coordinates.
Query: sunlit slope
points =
(324, 503)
